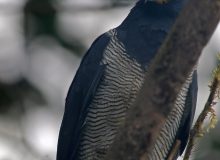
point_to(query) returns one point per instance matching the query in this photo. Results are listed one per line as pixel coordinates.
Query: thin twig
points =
(197, 130)
(174, 152)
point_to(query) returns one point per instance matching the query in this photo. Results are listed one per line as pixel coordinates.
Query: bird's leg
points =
(174, 151)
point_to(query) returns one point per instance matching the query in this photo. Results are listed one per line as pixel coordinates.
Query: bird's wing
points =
(189, 113)
(79, 97)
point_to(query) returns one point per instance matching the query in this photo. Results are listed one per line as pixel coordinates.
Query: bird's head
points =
(159, 7)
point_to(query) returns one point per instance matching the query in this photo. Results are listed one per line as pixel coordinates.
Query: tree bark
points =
(167, 73)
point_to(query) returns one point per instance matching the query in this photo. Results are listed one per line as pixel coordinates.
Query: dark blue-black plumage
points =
(141, 34)
(78, 98)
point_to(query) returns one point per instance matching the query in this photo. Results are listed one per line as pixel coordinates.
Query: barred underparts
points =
(116, 93)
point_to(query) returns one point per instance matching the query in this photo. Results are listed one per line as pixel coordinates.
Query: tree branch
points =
(168, 72)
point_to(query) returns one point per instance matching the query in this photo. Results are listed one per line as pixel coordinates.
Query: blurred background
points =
(42, 43)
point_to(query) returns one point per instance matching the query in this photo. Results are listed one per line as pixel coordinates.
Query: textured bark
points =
(169, 70)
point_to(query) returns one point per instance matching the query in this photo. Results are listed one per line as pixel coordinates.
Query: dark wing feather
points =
(189, 113)
(79, 97)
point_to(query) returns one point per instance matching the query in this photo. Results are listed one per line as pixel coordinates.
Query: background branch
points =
(169, 70)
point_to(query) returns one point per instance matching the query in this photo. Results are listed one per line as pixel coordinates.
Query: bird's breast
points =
(116, 93)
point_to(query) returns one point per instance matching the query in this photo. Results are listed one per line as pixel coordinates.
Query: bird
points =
(109, 78)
